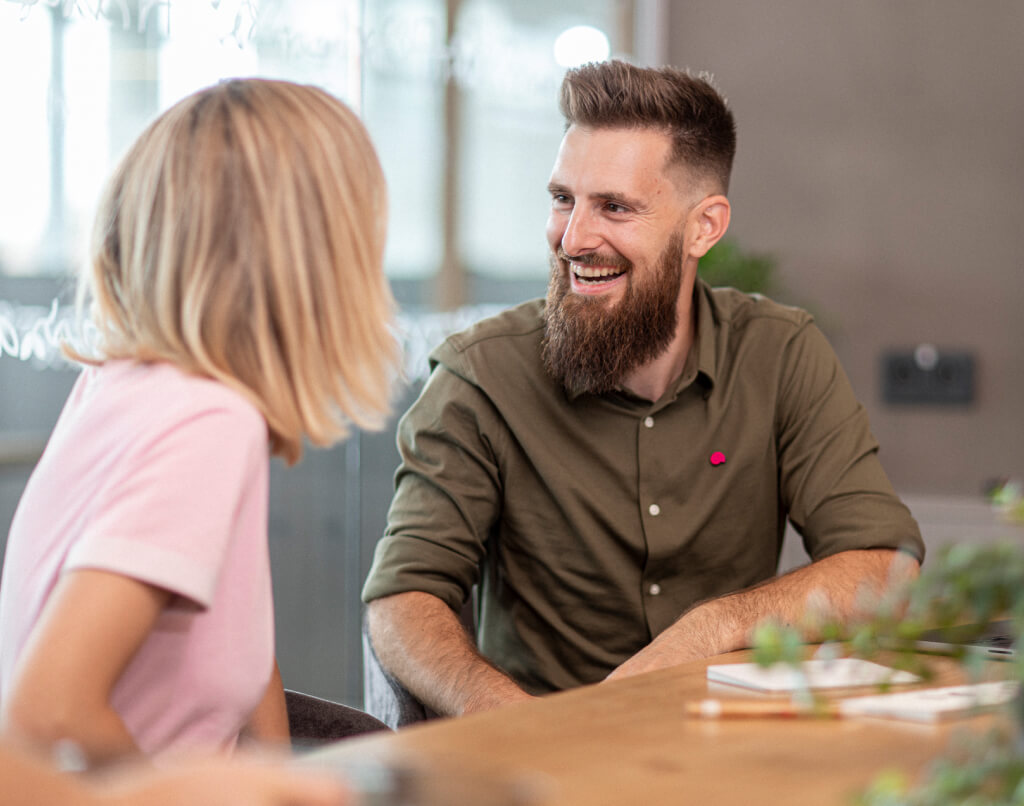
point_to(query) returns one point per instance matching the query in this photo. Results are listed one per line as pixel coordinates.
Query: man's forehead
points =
(616, 157)
(647, 138)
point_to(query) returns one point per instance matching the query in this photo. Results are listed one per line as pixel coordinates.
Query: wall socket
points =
(928, 376)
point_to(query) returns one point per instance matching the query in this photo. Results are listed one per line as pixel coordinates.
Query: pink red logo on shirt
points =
(717, 458)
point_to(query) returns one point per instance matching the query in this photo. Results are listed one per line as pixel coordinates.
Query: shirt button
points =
(649, 422)
(655, 589)
(654, 509)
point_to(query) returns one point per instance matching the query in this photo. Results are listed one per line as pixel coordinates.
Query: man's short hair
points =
(614, 95)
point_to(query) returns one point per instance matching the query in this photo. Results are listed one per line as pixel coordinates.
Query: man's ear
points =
(709, 221)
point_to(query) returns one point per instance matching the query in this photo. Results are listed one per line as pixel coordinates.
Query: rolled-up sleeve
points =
(831, 480)
(447, 494)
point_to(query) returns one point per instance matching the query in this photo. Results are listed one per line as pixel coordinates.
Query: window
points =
(459, 95)
(82, 83)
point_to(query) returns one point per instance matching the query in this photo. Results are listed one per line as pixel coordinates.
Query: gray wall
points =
(326, 515)
(881, 161)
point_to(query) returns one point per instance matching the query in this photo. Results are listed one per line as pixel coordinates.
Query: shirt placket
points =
(655, 457)
(654, 515)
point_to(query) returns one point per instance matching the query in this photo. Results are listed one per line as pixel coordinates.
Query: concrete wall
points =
(881, 161)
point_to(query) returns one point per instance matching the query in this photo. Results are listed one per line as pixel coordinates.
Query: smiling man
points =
(614, 466)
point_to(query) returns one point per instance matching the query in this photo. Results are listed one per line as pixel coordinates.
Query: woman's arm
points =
(89, 630)
(26, 781)
(269, 721)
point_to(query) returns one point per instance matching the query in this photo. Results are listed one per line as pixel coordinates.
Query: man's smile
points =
(595, 279)
(590, 274)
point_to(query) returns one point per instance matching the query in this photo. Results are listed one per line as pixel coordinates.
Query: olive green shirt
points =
(591, 524)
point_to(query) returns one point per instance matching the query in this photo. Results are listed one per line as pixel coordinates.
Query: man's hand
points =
(837, 588)
(699, 633)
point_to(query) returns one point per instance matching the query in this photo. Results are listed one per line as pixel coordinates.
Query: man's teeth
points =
(590, 272)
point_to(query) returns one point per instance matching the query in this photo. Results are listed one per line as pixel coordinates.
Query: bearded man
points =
(614, 466)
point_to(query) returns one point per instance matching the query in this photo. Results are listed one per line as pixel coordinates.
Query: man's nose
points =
(581, 233)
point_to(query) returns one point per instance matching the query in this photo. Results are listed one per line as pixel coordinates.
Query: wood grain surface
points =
(631, 742)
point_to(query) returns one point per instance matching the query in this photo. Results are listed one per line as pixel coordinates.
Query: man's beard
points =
(591, 347)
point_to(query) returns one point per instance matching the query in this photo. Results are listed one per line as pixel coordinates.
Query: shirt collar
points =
(701, 362)
(705, 338)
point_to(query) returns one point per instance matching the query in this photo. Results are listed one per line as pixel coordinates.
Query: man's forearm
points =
(840, 588)
(423, 644)
(837, 588)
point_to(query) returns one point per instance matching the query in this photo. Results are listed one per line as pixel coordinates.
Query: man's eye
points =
(561, 200)
(612, 207)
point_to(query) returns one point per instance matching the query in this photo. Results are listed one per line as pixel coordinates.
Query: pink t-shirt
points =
(160, 476)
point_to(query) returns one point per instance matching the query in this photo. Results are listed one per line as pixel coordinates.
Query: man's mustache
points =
(595, 259)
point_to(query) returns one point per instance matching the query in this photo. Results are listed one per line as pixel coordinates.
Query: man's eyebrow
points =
(618, 198)
(554, 188)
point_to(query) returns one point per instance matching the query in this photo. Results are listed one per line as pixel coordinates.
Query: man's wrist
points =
(714, 626)
(506, 693)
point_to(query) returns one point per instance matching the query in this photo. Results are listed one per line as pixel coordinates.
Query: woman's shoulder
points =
(160, 391)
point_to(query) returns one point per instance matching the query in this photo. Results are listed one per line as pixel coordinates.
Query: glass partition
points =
(79, 81)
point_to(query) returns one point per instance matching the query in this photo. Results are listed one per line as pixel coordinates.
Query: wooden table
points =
(630, 742)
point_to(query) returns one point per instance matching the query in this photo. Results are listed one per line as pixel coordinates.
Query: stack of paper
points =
(837, 673)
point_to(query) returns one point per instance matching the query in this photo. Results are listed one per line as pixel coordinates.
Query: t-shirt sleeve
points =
(165, 516)
(447, 495)
(832, 482)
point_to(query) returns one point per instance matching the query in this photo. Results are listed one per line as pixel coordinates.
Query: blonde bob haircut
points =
(241, 238)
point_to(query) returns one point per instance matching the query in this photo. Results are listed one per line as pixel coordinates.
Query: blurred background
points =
(879, 183)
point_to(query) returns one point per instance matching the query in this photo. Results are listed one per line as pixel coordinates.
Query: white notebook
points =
(837, 673)
(933, 704)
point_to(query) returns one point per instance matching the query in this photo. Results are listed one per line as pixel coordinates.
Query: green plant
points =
(726, 264)
(979, 772)
(1007, 495)
(964, 584)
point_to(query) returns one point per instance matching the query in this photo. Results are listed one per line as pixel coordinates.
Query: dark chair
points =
(314, 721)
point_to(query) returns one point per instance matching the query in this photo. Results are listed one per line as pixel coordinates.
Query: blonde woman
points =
(237, 292)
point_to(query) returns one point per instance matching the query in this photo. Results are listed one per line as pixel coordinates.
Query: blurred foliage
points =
(1007, 495)
(981, 772)
(963, 585)
(726, 264)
